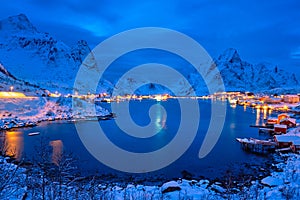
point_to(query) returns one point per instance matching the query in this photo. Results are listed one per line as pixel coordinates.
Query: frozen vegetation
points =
(18, 182)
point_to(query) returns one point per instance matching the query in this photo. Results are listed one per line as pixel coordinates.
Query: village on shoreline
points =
(63, 104)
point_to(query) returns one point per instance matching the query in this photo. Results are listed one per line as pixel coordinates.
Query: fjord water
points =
(226, 154)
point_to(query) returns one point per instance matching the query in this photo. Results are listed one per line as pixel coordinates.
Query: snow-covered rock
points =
(271, 181)
(170, 187)
(282, 184)
(285, 185)
(218, 188)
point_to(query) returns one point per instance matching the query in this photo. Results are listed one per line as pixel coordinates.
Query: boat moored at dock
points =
(257, 146)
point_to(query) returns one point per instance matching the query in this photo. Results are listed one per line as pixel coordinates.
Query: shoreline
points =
(21, 113)
(252, 189)
(30, 124)
(262, 170)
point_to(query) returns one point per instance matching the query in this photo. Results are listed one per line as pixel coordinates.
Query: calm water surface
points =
(226, 155)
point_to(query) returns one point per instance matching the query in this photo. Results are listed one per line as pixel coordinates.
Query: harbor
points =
(279, 126)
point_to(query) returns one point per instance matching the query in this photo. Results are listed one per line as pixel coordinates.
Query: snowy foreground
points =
(38, 181)
(21, 112)
(35, 182)
(17, 183)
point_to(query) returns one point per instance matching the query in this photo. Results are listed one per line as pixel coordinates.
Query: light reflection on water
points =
(15, 143)
(57, 150)
(62, 137)
(160, 119)
(265, 114)
(262, 115)
(257, 122)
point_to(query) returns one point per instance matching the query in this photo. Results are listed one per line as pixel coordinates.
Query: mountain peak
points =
(17, 23)
(230, 55)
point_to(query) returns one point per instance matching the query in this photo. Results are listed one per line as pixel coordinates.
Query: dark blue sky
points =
(261, 30)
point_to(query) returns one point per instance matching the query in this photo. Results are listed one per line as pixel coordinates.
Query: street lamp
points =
(11, 88)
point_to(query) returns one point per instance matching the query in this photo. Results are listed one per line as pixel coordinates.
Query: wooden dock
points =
(262, 126)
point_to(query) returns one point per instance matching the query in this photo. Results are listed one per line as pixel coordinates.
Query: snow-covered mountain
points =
(241, 75)
(7, 80)
(40, 59)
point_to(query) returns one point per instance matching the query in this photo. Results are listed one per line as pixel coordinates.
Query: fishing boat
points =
(266, 130)
(33, 133)
(107, 117)
(256, 145)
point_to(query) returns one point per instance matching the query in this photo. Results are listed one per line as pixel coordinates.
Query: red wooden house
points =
(290, 122)
(280, 129)
(296, 146)
(286, 140)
